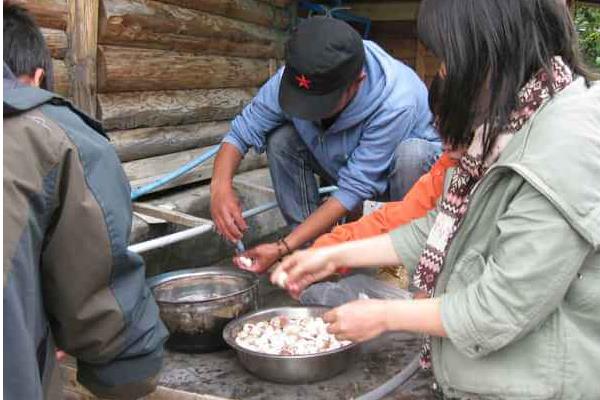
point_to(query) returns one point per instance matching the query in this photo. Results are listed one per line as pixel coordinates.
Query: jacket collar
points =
(19, 98)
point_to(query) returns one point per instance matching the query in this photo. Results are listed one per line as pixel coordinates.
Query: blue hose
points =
(184, 169)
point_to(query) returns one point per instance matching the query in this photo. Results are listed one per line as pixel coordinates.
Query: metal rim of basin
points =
(156, 281)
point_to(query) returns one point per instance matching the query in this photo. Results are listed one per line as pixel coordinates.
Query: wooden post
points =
(83, 33)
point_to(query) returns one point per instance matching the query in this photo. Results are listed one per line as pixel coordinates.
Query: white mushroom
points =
(246, 262)
(282, 279)
(289, 336)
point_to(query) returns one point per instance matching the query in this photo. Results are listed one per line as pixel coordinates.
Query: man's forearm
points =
(316, 224)
(226, 164)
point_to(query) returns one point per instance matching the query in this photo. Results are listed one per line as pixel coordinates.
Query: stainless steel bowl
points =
(289, 369)
(196, 304)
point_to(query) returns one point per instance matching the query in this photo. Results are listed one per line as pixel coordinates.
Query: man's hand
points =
(359, 320)
(262, 256)
(226, 213)
(225, 206)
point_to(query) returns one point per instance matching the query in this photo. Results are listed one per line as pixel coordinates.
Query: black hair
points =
(24, 47)
(490, 49)
(434, 97)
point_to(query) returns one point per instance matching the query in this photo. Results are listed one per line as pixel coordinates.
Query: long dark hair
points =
(490, 49)
(25, 49)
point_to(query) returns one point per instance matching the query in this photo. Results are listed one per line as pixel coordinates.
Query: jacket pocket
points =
(467, 269)
(527, 369)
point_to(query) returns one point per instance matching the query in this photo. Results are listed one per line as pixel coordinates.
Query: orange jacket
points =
(421, 198)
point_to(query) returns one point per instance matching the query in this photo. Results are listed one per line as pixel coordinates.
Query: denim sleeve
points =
(365, 174)
(520, 284)
(257, 119)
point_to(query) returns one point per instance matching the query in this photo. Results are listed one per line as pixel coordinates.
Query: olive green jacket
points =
(520, 288)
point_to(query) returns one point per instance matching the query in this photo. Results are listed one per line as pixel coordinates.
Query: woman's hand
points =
(304, 268)
(358, 321)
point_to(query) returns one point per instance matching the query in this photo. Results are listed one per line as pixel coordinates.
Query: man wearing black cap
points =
(341, 108)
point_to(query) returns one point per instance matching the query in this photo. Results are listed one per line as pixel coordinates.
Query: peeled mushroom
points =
(289, 336)
(246, 262)
(282, 279)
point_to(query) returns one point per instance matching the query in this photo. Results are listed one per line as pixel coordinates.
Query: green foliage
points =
(587, 19)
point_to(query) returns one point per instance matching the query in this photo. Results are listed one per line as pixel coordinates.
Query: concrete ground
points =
(219, 374)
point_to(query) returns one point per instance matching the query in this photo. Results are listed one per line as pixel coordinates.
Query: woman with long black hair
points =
(511, 256)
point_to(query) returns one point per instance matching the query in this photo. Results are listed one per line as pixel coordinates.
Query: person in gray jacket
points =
(69, 279)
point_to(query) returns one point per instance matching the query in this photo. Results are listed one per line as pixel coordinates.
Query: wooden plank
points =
(56, 40)
(386, 11)
(127, 69)
(243, 10)
(157, 108)
(140, 143)
(154, 16)
(47, 13)
(62, 82)
(142, 172)
(83, 31)
(172, 216)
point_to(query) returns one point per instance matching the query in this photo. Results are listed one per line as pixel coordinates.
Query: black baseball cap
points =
(322, 58)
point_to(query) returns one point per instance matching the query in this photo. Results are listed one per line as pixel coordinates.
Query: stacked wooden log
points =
(171, 74)
(51, 16)
(165, 77)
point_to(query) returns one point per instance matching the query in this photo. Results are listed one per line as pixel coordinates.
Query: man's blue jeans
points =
(293, 169)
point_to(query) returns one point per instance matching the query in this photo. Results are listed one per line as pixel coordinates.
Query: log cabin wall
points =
(52, 16)
(394, 28)
(165, 77)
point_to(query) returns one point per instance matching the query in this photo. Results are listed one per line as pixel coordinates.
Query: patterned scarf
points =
(470, 169)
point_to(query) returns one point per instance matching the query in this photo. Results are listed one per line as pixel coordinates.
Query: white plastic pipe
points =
(170, 239)
(199, 230)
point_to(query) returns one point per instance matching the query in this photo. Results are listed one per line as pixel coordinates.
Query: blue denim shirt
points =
(358, 149)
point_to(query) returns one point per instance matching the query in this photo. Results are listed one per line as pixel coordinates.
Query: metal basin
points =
(289, 369)
(196, 304)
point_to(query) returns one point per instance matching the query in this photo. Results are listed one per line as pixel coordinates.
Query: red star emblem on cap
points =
(303, 81)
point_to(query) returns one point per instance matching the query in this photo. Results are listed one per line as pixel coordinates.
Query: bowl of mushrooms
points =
(289, 345)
